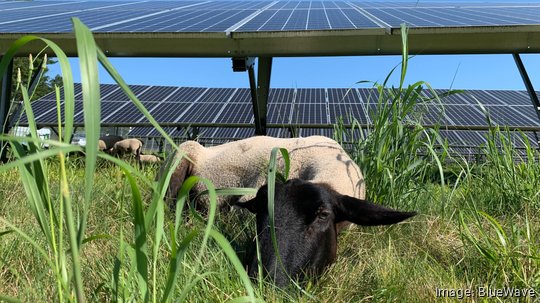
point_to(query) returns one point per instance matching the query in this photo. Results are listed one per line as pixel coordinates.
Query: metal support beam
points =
(259, 85)
(5, 99)
(263, 88)
(528, 84)
(255, 101)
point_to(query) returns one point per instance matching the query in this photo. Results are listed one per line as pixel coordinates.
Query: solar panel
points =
(279, 113)
(236, 113)
(119, 95)
(167, 112)
(309, 113)
(348, 112)
(201, 113)
(187, 94)
(157, 93)
(281, 95)
(77, 89)
(127, 113)
(52, 115)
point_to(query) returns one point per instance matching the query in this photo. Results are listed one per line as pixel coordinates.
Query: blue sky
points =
(441, 71)
(456, 71)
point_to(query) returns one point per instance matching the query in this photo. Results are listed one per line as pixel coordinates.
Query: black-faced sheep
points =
(326, 193)
(307, 216)
(130, 146)
(106, 143)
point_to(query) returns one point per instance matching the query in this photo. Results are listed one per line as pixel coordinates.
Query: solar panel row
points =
(462, 143)
(291, 106)
(248, 16)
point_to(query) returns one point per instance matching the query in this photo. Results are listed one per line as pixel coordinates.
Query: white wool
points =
(149, 159)
(127, 146)
(244, 163)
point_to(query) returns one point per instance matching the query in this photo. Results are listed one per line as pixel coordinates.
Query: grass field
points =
(95, 229)
(483, 237)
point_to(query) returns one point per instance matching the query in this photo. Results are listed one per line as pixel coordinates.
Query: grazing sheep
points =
(127, 146)
(326, 193)
(109, 141)
(244, 163)
(148, 158)
(101, 145)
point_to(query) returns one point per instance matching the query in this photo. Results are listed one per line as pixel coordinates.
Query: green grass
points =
(95, 229)
(400, 263)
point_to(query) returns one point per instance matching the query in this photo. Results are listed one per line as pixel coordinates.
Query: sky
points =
(440, 71)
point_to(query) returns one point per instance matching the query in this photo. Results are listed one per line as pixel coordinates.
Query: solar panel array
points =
(224, 114)
(250, 16)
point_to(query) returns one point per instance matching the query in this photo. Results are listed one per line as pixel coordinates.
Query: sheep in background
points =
(148, 159)
(106, 143)
(130, 146)
(101, 145)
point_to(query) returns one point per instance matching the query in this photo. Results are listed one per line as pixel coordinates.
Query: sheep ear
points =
(178, 177)
(257, 204)
(365, 213)
(250, 205)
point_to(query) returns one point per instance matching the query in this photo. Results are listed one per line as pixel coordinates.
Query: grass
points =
(95, 229)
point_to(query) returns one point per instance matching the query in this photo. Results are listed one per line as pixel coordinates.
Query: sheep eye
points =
(323, 214)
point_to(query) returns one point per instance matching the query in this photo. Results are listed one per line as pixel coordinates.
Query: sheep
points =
(101, 145)
(326, 193)
(108, 141)
(244, 163)
(127, 146)
(148, 159)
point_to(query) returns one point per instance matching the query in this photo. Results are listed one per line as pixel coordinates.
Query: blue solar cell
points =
(242, 95)
(275, 22)
(479, 96)
(512, 97)
(290, 5)
(310, 95)
(369, 95)
(348, 112)
(309, 113)
(341, 95)
(119, 95)
(219, 22)
(296, 21)
(261, 20)
(167, 112)
(128, 113)
(51, 117)
(281, 95)
(317, 19)
(157, 93)
(316, 4)
(200, 112)
(187, 94)
(236, 113)
(140, 132)
(39, 108)
(217, 95)
(279, 113)
(306, 132)
(513, 115)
